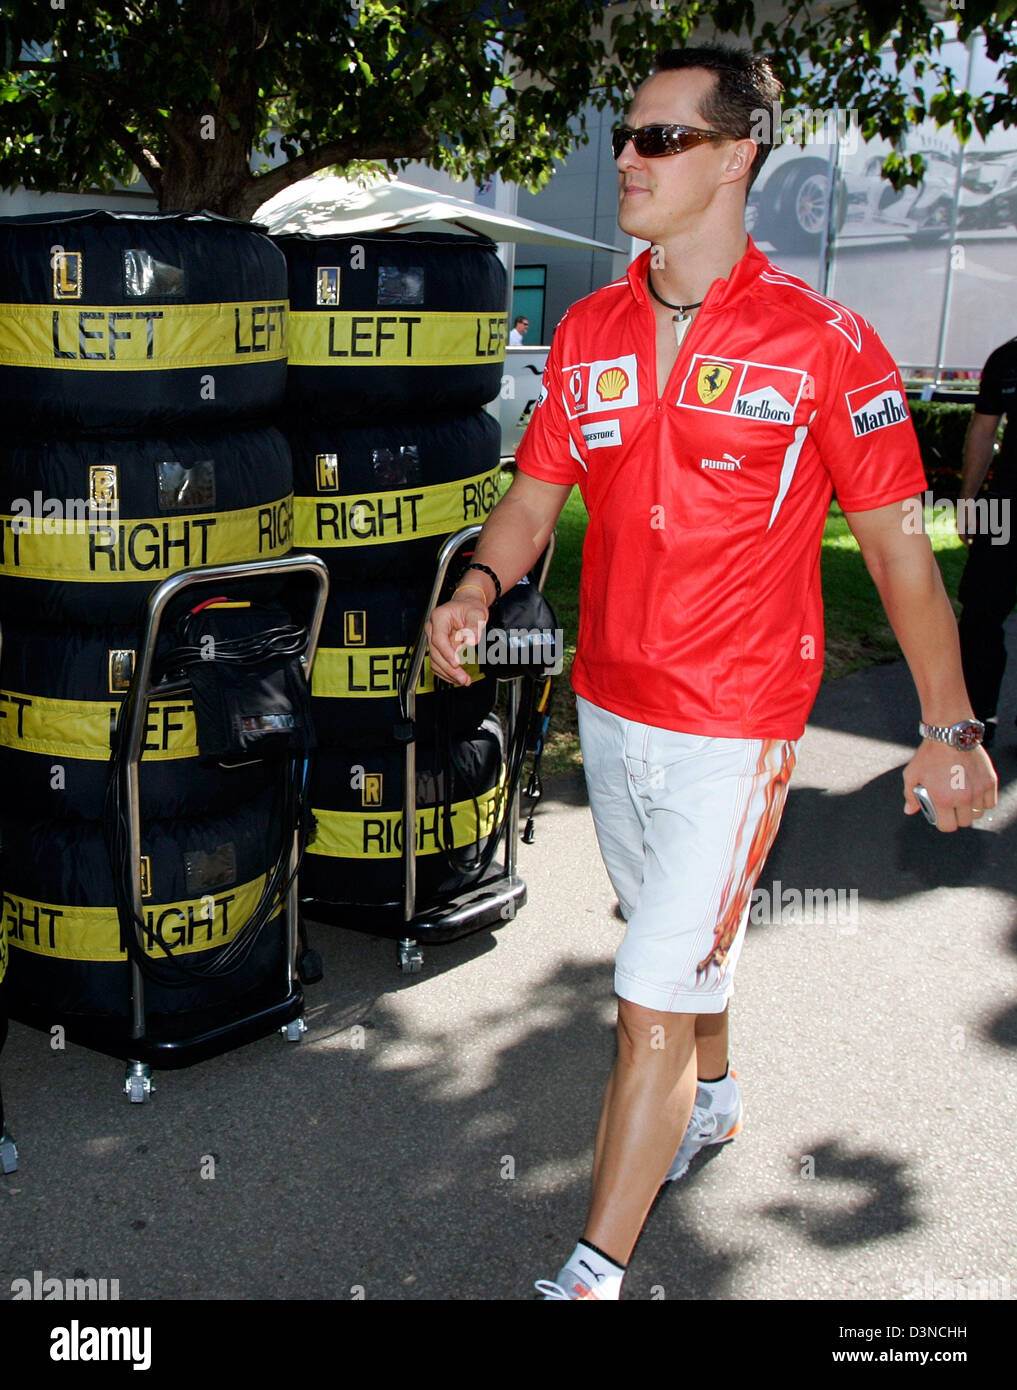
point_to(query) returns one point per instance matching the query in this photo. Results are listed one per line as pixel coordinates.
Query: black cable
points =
(234, 954)
(229, 958)
(446, 753)
(514, 758)
(252, 651)
(240, 651)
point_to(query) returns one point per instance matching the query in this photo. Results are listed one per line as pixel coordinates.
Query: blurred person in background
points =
(988, 588)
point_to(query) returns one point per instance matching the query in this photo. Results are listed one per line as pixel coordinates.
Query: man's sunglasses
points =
(654, 141)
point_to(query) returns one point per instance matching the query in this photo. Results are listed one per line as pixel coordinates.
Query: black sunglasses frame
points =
(672, 139)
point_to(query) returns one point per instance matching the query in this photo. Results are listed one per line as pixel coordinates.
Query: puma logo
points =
(728, 462)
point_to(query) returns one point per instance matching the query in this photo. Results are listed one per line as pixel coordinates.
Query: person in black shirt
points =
(988, 588)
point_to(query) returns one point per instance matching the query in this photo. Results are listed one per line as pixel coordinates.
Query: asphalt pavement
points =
(431, 1135)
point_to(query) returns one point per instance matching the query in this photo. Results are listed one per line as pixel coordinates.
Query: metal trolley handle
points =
(135, 713)
(408, 707)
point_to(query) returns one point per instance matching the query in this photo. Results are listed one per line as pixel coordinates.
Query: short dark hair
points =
(521, 318)
(746, 86)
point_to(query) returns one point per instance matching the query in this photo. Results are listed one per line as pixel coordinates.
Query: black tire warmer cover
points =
(394, 324)
(203, 875)
(357, 800)
(113, 323)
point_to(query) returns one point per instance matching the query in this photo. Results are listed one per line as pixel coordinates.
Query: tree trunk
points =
(208, 171)
(207, 162)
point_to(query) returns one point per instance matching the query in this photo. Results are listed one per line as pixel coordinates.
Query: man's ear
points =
(740, 157)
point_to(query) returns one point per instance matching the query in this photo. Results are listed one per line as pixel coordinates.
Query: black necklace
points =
(683, 309)
(682, 318)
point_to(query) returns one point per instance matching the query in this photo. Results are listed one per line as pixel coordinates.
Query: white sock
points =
(603, 1275)
(721, 1093)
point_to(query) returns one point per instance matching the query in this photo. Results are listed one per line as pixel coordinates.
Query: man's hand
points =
(511, 542)
(961, 522)
(451, 627)
(962, 785)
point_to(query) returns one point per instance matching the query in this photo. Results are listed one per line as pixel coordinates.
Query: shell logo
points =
(612, 383)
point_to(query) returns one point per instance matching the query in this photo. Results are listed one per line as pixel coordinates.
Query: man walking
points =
(518, 331)
(988, 588)
(707, 405)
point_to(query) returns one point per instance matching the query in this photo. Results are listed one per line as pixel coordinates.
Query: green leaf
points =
(417, 77)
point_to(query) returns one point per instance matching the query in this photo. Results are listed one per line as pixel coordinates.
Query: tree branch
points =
(147, 164)
(265, 186)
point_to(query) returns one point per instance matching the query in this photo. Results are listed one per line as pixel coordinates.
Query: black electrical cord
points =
(514, 757)
(230, 958)
(251, 651)
(240, 651)
(453, 766)
(535, 786)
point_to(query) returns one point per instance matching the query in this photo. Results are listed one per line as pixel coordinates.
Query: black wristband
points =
(486, 570)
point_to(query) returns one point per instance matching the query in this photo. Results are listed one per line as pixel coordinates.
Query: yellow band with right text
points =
(379, 835)
(94, 552)
(93, 933)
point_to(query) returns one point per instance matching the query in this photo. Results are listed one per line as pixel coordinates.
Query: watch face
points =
(968, 735)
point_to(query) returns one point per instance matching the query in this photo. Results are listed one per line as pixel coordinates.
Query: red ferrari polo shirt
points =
(701, 607)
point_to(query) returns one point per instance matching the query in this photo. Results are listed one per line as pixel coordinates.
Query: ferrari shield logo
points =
(712, 380)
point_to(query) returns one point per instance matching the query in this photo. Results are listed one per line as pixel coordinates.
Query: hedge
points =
(941, 427)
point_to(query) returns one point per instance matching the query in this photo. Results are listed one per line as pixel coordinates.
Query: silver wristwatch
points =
(966, 735)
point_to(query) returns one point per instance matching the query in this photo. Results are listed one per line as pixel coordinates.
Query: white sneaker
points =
(706, 1127)
(570, 1285)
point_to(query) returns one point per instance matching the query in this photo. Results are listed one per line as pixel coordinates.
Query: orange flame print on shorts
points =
(773, 772)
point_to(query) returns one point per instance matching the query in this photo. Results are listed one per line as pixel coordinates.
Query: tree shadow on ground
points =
(886, 1208)
(860, 842)
(432, 1161)
(1002, 1030)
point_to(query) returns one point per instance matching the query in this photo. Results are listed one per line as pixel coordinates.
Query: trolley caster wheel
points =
(8, 1154)
(138, 1082)
(411, 958)
(309, 967)
(292, 1031)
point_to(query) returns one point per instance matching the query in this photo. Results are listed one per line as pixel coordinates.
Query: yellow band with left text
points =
(157, 337)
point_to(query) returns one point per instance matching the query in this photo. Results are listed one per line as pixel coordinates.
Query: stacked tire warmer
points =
(8, 1149)
(140, 358)
(396, 343)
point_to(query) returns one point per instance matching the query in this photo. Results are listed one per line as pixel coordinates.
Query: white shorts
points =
(684, 823)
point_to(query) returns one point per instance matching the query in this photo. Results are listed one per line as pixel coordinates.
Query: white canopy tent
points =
(327, 205)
